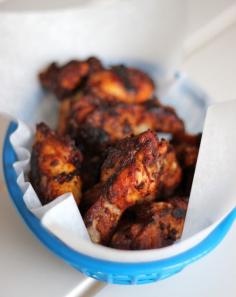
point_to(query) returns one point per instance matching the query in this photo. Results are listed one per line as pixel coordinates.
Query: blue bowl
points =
(107, 271)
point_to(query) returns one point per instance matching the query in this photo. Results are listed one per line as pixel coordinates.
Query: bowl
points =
(108, 271)
(142, 269)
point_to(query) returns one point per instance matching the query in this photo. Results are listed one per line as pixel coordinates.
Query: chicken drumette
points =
(55, 164)
(120, 83)
(131, 173)
(152, 225)
(64, 80)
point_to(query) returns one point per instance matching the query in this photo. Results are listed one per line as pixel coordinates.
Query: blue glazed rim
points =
(113, 272)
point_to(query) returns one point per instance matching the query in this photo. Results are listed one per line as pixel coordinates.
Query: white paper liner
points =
(213, 193)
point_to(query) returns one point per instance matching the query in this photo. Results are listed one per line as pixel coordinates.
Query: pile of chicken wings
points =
(131, 186)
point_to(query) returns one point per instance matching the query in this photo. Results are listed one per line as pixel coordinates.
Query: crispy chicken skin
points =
(153, 225)
(64, 80)
(55, 164)
(130, 174)
(171, 171)
(97, 123)
(125, 84)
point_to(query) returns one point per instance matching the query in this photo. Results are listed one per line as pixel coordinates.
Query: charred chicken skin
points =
(130, 174)
(97, 123)
(55, 163)
(153, 225)
(120, 83)
(169, 180)
(64, 80)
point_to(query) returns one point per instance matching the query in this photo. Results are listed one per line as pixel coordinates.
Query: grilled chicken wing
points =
(65, 80)
(121, 83)
(169, 181)
(131, 173)
(55, 164)
(97, 123)
(153, 225)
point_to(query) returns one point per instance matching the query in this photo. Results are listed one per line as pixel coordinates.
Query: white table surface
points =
(30, 270)
(213, 276)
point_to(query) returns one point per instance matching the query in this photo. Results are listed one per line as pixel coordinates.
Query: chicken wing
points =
(110, 161)
(97, 123)
(131, 173)
(121, 83)
(55, 165)
(64, 80)
(153, 225)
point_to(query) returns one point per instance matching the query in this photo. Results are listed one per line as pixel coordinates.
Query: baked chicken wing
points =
(55, 165)
(130, 174)
(153, 225)
(97, 123)
(64, 80)
(121, 83)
